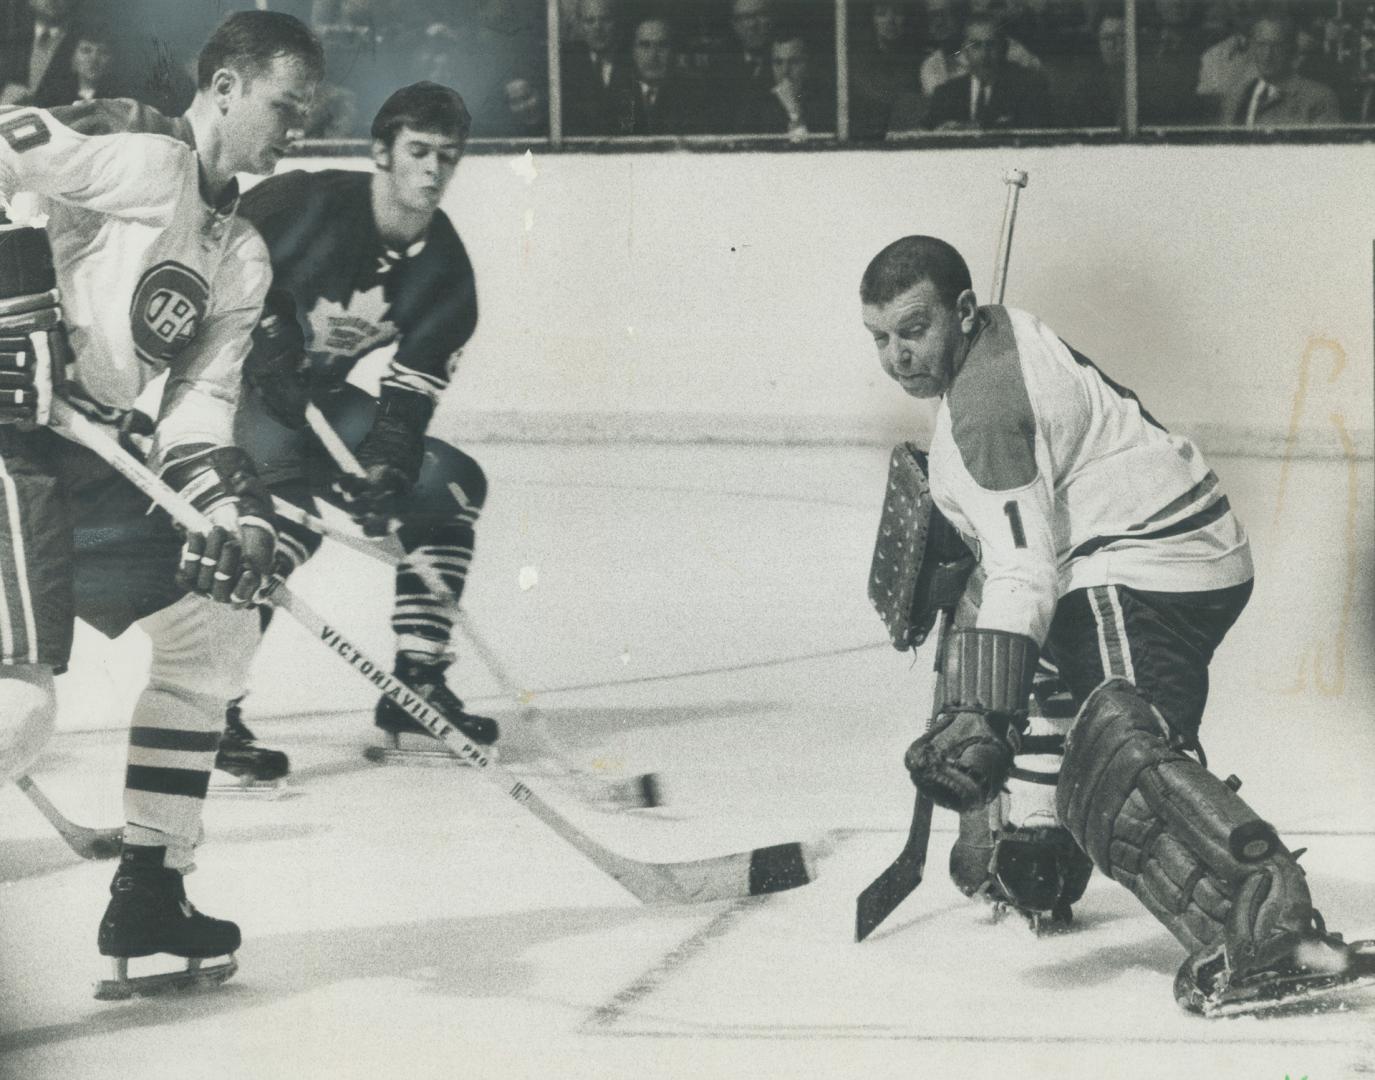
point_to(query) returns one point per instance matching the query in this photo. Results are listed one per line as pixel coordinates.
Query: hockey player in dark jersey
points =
(361, 261)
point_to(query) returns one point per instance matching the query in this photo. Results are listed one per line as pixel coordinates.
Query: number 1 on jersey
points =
(1014, 519)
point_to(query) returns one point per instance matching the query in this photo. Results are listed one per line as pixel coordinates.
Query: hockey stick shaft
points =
(1015, 179)
(748, 873)
(86, 842)
(636, 792)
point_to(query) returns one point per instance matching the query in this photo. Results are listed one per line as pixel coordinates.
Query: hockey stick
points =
(86, 842)
(746, 873)
(883, 895)
(643, 791)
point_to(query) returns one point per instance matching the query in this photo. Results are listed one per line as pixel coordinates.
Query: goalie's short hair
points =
(905, 262)
(423, 106)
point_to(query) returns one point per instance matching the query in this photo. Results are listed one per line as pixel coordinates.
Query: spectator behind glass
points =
(743, 68)
(1169, 65)
(595, 73)
(994, 93)
(483, 51)
(884, 67)
(1089, 93)
(799, 102)
(93, 71)
(361, 65)
(658, 98)
(1277, 96)
(1227, 65)
(945, 20)
(39, 56)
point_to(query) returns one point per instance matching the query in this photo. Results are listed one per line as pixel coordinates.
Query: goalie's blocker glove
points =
(33, 339)
(276, 364)
(965, 757)
(231, 563)
(391, 455)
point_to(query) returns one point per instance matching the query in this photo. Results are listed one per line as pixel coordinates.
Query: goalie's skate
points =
(1309, 978)
(149, 914)
(256, 769)
(408, 742)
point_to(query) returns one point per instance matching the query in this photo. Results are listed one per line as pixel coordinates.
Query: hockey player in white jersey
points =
(154, 272)
(1107, 546)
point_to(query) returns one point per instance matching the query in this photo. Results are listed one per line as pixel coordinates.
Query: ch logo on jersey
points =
(168, 306)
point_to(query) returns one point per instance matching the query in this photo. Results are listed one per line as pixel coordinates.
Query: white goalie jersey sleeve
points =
(1064, 481)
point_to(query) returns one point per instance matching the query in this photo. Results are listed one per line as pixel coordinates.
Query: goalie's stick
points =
(86, 842)
(883, 895)
(746, 873)
(637, 792)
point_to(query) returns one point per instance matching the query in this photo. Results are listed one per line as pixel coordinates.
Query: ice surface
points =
(699, 612)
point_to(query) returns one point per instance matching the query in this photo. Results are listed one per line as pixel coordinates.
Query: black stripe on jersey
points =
(1116, 387)
(151, 738)
(1206, 516)
(159, 781)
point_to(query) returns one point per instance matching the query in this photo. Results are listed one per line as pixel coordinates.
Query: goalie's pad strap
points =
(1159, 823)
(920, 564)
(988, 670)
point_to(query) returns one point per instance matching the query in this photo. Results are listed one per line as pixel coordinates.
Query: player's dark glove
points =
(230, 563)
(33, 339)
(391, 454)
(964, 760)
(276, 365)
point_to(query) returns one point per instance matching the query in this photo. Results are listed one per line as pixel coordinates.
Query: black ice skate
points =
(149, 914)
(425, 675)
(1308, 969)
(256, 767)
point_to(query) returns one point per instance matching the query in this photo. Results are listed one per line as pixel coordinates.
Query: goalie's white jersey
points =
(152, 278)
(1064, 481)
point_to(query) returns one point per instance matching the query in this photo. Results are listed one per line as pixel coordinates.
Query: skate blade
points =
(395, 755)
(246, 785)
(194, 976)
(1311, 998)
(1040, 923)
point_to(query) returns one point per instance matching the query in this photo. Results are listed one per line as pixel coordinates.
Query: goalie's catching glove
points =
(391, 454)
(965, 757)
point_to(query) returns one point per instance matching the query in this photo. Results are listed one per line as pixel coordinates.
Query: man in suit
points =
(657, 98)
(40, 55)
(595, 71)
(798, 102)
(1277, 96)
(993, 93)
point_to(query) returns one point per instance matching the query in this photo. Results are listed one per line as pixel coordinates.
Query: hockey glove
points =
(965, 757)
(33, 339)
(276, 365)
(391, 455)
(229, 564)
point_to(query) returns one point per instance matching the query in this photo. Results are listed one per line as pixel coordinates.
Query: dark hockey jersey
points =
(354, 294)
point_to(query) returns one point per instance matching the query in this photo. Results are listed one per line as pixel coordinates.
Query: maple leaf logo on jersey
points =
(352, 331)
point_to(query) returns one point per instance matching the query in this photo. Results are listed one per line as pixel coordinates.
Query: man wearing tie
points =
(1278, 97)
(40, 56)
(993, 93)
(595, 72)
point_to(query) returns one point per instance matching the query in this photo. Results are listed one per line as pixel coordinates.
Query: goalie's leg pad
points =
(1162, 825)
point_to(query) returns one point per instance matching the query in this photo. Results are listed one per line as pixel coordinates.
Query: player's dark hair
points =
(248, 42)
(913, 259)
(422, 106)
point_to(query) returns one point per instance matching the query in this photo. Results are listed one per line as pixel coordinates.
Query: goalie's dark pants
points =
(1161, 641)
(437, 518)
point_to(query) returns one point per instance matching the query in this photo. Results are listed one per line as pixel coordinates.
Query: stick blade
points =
(726, 877)
(886, 892)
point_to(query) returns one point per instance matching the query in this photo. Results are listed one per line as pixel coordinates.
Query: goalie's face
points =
(921, 339)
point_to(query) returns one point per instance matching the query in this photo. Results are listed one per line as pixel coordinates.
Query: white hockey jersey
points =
(152, 278)
(1064, 482)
